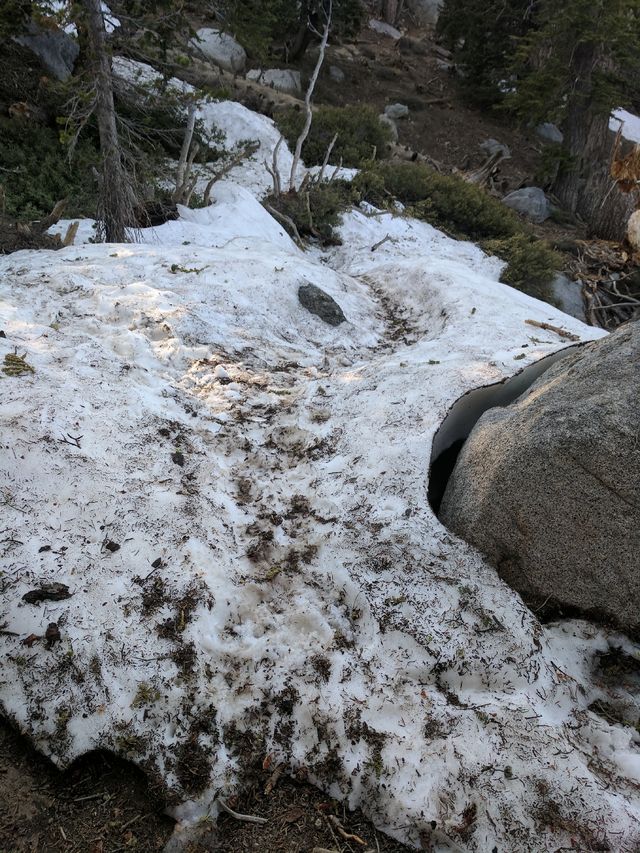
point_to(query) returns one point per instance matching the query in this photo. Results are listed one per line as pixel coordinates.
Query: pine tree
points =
(575, 66)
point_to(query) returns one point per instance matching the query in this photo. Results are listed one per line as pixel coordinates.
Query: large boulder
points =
(56, 49)
(221, 49)
(281, 79)
(530, 202)
(549, 487)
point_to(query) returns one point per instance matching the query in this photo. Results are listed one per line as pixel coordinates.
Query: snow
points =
(630, 124)
(308, 603)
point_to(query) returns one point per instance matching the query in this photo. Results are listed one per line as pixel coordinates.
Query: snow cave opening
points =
(464, 415)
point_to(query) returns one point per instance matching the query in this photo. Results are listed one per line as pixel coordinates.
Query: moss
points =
(360, 134)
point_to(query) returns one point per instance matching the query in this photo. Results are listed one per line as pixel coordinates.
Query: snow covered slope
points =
(235, 494)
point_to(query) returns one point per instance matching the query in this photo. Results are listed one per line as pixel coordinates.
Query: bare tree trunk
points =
(586, 186)
(390, 11)
(116, 197)
(307, 98)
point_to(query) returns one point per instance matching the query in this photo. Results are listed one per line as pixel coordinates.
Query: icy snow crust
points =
(308, 604)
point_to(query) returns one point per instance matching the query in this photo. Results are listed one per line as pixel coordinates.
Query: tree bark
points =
(585, 187)
(116, 196)
(390, 11)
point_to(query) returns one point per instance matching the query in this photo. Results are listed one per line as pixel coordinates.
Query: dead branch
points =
(307, 98)
(273, 169)
(325, 162)
(218, 176)
(70, 236)
(53, 217)
(348, 836)
(247, 818)
(287, 222)
(549, 328)
(484, 174)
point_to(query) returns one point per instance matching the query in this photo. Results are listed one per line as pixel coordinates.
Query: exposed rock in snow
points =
(221, 48)
(282, 79)
(56, 49)
(549, 132)
(531, 202)
(284, 586)
(548, 487)
(321, 304)
(384, 29)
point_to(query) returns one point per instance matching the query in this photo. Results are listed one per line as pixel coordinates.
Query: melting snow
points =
(282, 585)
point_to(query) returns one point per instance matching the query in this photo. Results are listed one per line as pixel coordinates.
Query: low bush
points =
(467, 212)
(360, 133)
(531, 263)
(37, 172)
(316, 210)
(446, 201)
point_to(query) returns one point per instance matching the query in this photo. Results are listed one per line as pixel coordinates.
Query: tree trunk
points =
(390, 11)
(585, 187)
(116, 197)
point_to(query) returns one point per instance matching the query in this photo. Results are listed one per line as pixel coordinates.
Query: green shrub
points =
(465, 211)
(531, 263)
(316, 210)
(360, 133)
(38, 173)
(446, 201)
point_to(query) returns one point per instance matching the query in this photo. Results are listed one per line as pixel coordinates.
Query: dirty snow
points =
(281, 584)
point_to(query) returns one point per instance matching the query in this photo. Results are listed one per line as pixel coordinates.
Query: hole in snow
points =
(465, 413)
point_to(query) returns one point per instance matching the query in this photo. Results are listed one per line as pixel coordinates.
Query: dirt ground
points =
(104, 805)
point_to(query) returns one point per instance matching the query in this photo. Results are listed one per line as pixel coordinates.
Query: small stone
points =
(321, 304)
(384, 29)
(396, 111)
(531, 202)
(337, 74)
(550, 133)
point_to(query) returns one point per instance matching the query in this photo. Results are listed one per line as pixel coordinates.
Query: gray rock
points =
(396, 111)
(549, 487)
(384, 29)
(281, 79)
(221, 48)
(390, 123)
(549, 132)
(530, 201)
(567, 295)
(492, 146)
(337, 74)
(425, 12)
(321, 304)
(56, 49)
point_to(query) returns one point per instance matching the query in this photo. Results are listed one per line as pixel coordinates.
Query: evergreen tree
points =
(483, 36)
(575, 66)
